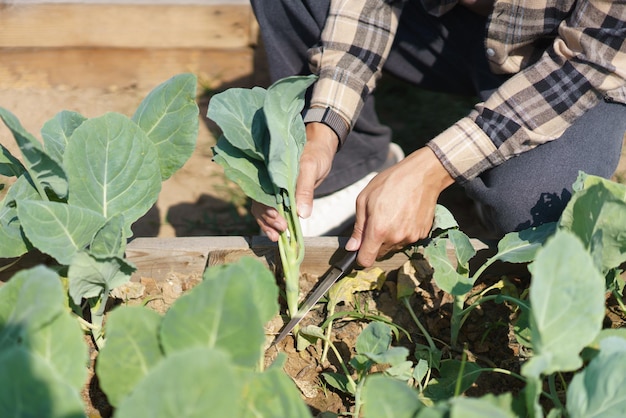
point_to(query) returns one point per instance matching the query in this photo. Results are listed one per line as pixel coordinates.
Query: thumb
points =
(305, 187)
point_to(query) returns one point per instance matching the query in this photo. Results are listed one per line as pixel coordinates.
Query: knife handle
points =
(347, 262)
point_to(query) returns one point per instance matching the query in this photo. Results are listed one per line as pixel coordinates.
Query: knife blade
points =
(338, 270)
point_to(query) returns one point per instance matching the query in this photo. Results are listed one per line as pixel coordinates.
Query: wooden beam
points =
(99, 25)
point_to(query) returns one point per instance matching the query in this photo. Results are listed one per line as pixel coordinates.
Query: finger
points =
(367, 248)
(269, 220)
(305, 186)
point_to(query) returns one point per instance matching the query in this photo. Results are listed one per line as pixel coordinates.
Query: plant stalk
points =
(423, 330)
(457, 319)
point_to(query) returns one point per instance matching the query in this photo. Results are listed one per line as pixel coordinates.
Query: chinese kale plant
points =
(205, 356)
(262, 138)
(76, 194)
(202, 358)
(573, 264)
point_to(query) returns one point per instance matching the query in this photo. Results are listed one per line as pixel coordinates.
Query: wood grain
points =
(159, 257)
(121, 68)
(127, 25)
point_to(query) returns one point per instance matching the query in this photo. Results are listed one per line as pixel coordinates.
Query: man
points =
(550, 75)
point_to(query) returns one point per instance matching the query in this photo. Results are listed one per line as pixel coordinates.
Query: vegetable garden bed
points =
(168, 268)
(530, 327)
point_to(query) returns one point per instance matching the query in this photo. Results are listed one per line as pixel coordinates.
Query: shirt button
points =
(490, 52)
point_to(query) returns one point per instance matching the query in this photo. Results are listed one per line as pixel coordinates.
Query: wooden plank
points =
(221, 26)
(121, 68)
(159, 257)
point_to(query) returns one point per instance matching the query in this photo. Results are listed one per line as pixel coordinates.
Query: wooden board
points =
(186, 258)
(157, 258)
(121, 68)
(99, 25)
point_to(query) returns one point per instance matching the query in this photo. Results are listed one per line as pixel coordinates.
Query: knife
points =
(337, 271)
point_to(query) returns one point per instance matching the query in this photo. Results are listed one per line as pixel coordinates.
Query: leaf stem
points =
(289, 257)
(459, 379)
(425, 333)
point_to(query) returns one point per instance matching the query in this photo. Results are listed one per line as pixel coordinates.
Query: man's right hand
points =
(315, 164)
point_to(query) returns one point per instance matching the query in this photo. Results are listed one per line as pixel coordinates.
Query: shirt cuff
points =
(465, 150)
(329, 118)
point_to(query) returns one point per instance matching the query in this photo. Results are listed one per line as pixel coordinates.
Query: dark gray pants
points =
(447, 54)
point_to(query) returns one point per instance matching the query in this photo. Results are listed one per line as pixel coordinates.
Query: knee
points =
(518, 211)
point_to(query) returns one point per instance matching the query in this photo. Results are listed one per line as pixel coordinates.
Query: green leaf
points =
(58, 229)
(22, 189)
(89, 276)
(33, 315)
(600, 389)
(44, 171)
(385, 397)
(132, 349)
(169, 117)
(420, 370)
(218, 322)
(462, 248)
(28, 302)
(567, 299)
(272, 394)
(249, 174)
(239, 114)
(596, 215)
(61, 344)
(13, 243)
(283, 103)
(262, 284)
(339, 382)
(394, 356)
(444, 220)
(57, 131)
(486, 406)
(210, 383)
(374, 339)
(312, 331)
(113, 168)
(29, 387)
(521, 247)
(9, 165)
(445, 273)
(402, 370)
(444, 386)
(110, 240)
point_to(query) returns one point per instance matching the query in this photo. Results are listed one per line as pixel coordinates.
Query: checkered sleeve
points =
(355, 42)
(585, 64)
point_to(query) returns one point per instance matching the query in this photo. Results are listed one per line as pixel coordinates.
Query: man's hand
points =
(315, 163)
(397, 207)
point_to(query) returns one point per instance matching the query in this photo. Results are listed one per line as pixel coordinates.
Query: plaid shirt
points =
(550, 88)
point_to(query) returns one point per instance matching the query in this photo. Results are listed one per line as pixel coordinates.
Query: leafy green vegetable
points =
(262, 138)
(77, 195)
(149, 360)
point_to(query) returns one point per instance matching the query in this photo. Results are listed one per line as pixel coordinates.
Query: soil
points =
(197, 200)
